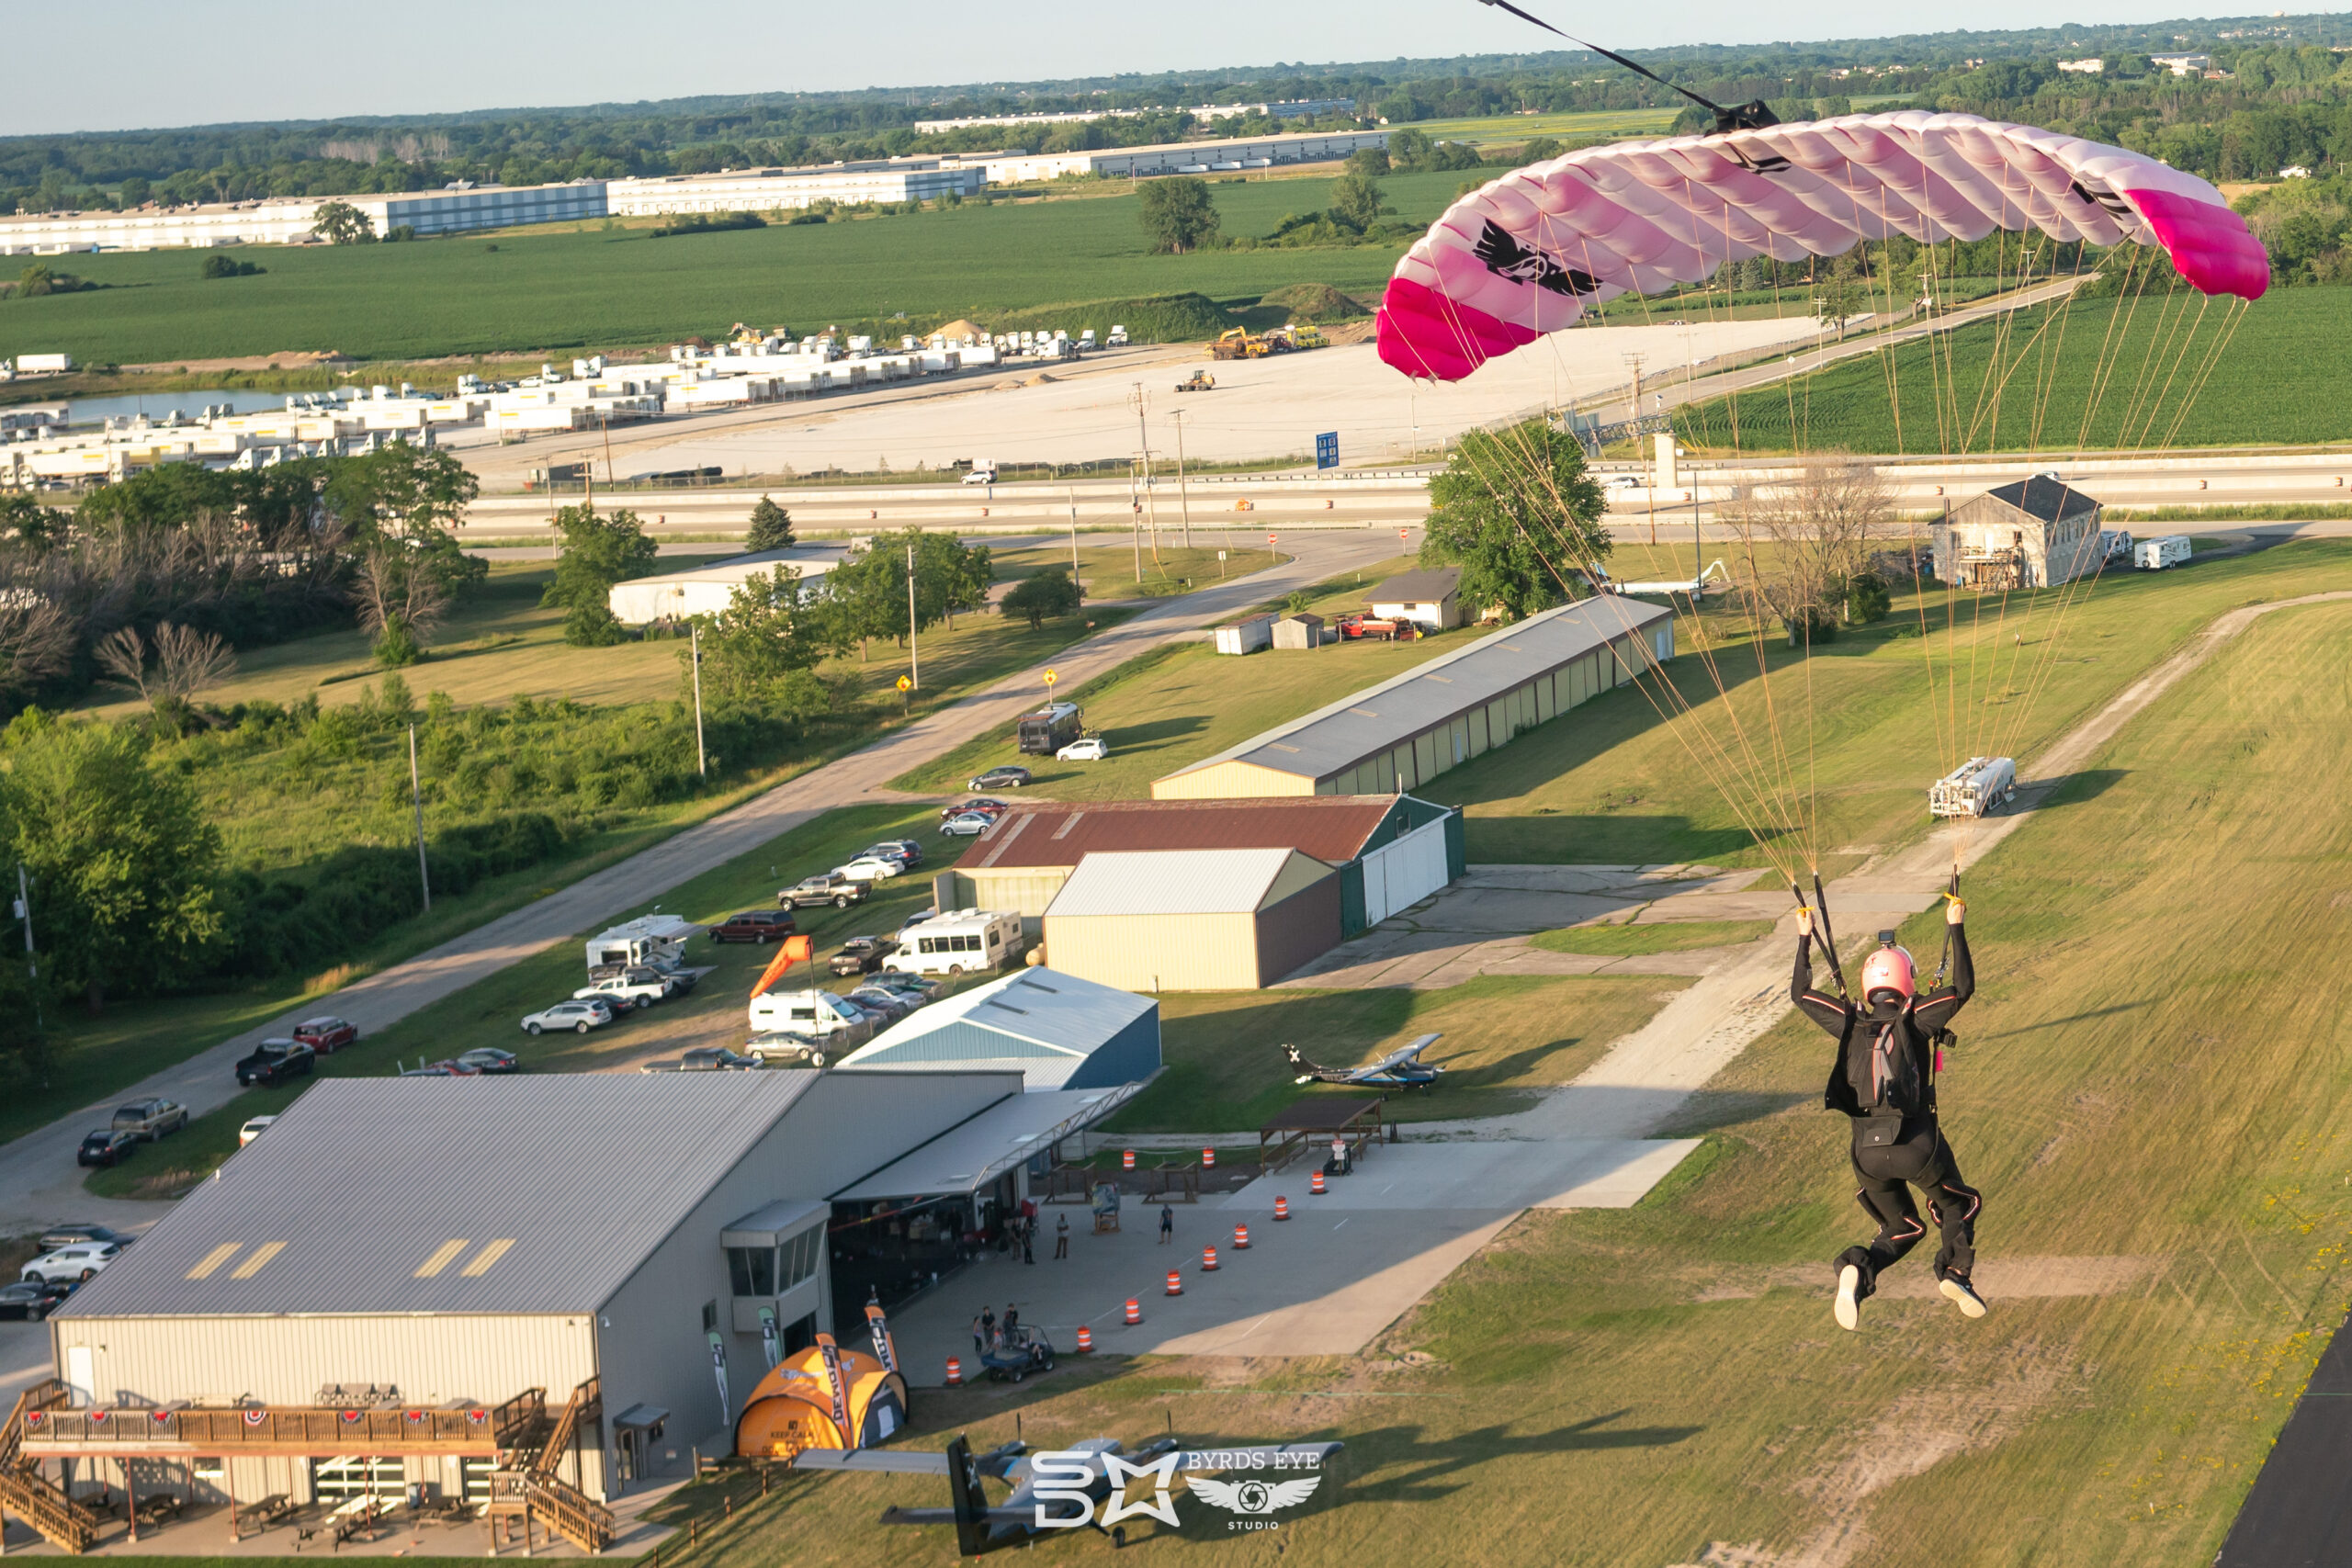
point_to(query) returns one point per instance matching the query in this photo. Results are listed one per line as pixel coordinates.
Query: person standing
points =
(1061, 1237)
(987, 1326)
(979, 1337)
(1028, 1240)
(1167, 1224)
(1011, 1321)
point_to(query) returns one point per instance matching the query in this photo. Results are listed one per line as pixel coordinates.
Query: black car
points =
(862, 954)
(275, 1061)
(107, 1146)
(56, 1236)
(906, 851)
(825, 887)
(490, 1059)
(755, 926)
(998, 778)
(32, 1300)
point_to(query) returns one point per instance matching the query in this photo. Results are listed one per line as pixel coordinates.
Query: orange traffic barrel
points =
(1135, 1312)
(1127, 1160)
(1208, 1260)
(1241, 1238)
(1208, 1159)
(954, 1371)
(1085, 1338)
(1315, 1184)
(1175, 1284)
(1281, 1207)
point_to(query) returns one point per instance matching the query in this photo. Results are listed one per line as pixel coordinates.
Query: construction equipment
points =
(1238, 342)
(1296, 336)
(1199, 381)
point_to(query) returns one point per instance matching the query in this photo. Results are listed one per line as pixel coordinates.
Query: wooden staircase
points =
(26, 1492)
(529, 1486)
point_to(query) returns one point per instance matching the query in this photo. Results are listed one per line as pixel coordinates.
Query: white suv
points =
(71, 1263)
(592, 1012)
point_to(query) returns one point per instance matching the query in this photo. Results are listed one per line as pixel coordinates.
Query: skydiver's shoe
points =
(1849, 1305)
(1962, 1294)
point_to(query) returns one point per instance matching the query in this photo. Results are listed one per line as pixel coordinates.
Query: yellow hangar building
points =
(1396, 736)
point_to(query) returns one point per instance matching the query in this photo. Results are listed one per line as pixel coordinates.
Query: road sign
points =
(1327, 449)
(1051, 677)
(1269, 540)
(905, 685)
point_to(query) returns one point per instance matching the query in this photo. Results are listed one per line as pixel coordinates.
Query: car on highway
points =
(275, 1061)
(1621, 482)
(81, 1261)
(825, 887)
(490, 1059)
(980, 477)
(107, 1146)
(254, 1129)
(987, 804)
(870, 868)
(326, 1035)
(1085, 748)
(785, 1049)
(706, 1059)
(580, 1015)
(149, 1120)
(32, 1300)
(862, 954)
(998, 778)
(758, 926)
(56, 1236)
(971, 825)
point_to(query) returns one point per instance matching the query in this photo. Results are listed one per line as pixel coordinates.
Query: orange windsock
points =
(793, 951)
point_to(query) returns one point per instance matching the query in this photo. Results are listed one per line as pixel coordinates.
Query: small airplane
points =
(981, 1526)
(1401, 1068)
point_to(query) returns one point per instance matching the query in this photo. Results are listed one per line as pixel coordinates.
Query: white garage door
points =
(1398, 875)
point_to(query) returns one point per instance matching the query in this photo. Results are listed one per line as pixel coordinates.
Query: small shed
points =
(1057, 1031)
(1246, 635)
(2037, 533)
(1301, 630)
(1431, 599)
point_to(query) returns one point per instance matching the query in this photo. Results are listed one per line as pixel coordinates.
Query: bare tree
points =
(189, 661)
(394, 590)
(38, 637)
(1809, 538)
(122, 654)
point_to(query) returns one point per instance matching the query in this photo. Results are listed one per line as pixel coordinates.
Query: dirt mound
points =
(1316, 302)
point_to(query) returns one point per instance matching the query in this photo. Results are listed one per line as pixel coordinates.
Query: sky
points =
(136, 64)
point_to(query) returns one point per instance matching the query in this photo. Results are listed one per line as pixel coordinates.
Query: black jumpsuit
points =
(1916, 1153)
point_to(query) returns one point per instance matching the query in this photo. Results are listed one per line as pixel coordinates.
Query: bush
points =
(217, 266)
(705, 223)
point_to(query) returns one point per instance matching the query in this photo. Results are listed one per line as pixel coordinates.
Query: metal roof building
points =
(1057, 1031)
(362, 1298)
(1395, 736)
(1193, 919)
(1023, 858)
(709, 589)
(2036, 533)
(1430, 598)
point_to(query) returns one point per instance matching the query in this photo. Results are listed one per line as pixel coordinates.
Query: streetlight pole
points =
(32, 964)
(416, 798)
(914, 657)
(1183, 496)
(702, 760)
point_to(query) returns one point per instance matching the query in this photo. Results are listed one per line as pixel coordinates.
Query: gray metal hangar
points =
(402, 1283)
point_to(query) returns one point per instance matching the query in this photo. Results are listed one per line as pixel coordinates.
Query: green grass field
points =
(1633, 941)
(1669, 1377)
(1579, 126)
(2026, 386)
(1861, 738)
(620, 287)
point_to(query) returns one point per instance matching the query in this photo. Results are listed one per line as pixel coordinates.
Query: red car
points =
(326, 1035)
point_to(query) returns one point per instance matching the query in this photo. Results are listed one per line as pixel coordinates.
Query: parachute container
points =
(1531, 251)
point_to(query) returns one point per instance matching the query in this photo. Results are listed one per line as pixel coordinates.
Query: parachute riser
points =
(1824, 941)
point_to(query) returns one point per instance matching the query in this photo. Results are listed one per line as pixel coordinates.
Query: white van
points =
(818, 1014)
(961, 941)
(2155, 555)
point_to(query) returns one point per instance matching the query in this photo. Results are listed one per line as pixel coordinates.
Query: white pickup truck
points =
(634, 988)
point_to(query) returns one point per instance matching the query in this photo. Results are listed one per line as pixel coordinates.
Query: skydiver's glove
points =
(1955, 912)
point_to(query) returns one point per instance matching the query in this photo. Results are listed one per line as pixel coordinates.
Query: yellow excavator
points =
(1238, 344)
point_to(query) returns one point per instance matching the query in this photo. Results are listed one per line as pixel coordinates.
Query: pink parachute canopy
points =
(1526, 254)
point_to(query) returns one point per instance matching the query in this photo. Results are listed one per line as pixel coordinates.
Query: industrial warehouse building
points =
(1184, 157)
(1390, 851)
(383, 1288)
(774, 190)
(1395, 736)
(295, 218)
(2036, 533)
(1057, 1031)
(708, 589)
(1193, 919)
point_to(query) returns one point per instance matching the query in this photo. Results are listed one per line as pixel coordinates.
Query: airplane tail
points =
(1307, 1071)
(969, 1502)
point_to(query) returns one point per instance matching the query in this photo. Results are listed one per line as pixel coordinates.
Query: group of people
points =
(990, 1334)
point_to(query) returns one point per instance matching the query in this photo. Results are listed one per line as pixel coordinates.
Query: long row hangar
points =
(532, 1296)
(1398, 735)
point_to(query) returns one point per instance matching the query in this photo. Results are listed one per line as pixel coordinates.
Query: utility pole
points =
(1183, 497)
(701, 763)
(1633, 411)
(32, 964)
(1143, 448)
(914, 659)
(1135, 522)
(416, 798)
(1072, 493)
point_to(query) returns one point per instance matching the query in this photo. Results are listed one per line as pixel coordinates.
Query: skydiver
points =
(1884, 1078)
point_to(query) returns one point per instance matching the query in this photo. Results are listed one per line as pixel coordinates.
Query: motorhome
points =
(2155, 555)
(819, 1015)
(961, 941)
(653, 939)
(1978, 787)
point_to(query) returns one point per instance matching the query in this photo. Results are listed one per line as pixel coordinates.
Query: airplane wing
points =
(872, 1460)
(1411, 1054)
(1264, 1456)
(947, 1516)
